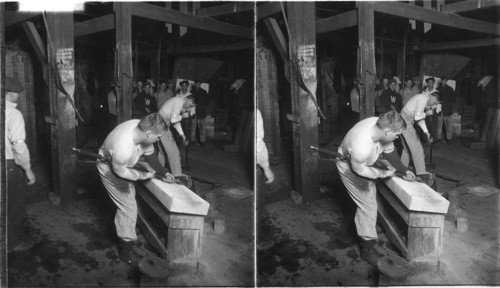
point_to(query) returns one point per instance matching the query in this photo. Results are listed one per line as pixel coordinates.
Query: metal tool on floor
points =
(182, 179)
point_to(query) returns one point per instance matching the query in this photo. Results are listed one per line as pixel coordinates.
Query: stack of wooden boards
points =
(490, 133)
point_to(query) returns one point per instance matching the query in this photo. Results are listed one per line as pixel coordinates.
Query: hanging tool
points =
(182, 180)
(53, 67)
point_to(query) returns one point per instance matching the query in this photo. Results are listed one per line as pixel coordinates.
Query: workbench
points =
(172, 218)
(412, 215)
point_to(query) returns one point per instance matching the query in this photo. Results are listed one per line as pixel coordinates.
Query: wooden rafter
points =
(278, 37)
(469, 5)
(178, 18)
(225, 9)
(435, 17)
(269, 9)
(213, 48)
(344, 20)
(460, 44)
(95, 25)
(12, 18)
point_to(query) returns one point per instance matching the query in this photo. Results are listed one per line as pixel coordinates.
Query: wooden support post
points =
(183, 7)
(123, 60)
(3, 171)
(305, 133)
(366, 34)
(63, 135)
(400, 62)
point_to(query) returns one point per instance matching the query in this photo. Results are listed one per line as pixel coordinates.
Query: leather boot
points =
(368, 252)
(127, 253)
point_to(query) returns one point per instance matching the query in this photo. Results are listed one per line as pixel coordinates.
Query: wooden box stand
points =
(181, 211)
(421, 209)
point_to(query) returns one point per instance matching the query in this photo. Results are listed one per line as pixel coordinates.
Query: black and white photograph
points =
(250, 143)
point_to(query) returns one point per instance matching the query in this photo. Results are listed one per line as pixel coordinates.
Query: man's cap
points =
(162, 81)
(416, 78)
(184, 82)
(170, 81)
(13, 85)
(430, 79)
(392, 80)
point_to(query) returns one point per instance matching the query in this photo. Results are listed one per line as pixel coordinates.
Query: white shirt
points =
(363, 152)
(262, 157)
(120, 149)
(415, 107)
(171, 112)
(15, 136)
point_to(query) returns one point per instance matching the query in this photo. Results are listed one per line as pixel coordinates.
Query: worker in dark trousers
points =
(363, 145)
(18, 161)
(122, 149)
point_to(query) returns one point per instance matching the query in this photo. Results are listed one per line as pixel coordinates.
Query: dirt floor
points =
(76, 244)
(316, 243)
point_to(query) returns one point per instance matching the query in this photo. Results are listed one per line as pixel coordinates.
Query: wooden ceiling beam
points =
(213, 48)
(425, 15)
(460, 44)
(95, 25)
(178, 18)
(344, 20)
(225, 9)
(269, 9)
(469, 5)
(12, 18)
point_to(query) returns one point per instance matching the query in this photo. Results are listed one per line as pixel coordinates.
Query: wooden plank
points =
(150, 234)
(177, 198)
(12, 18)
(249, 133)
(203, 23)
(269, 9)
(99, 24)
(424, 243)
(36, 42)
(425, 15)
(123, 60)
(60, 27)
(344, 20)
(417, 196)
(391, 231)
(469, 5)
(226, 9)
(278, 38)
(366, 34)
(184, 244)
(183, 50)
(305, 133)
(459, 44)
(393, 201)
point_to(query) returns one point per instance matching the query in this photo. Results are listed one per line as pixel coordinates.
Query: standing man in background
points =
(18, 161)
(172, 112)
(202, 100)
(448, 97)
